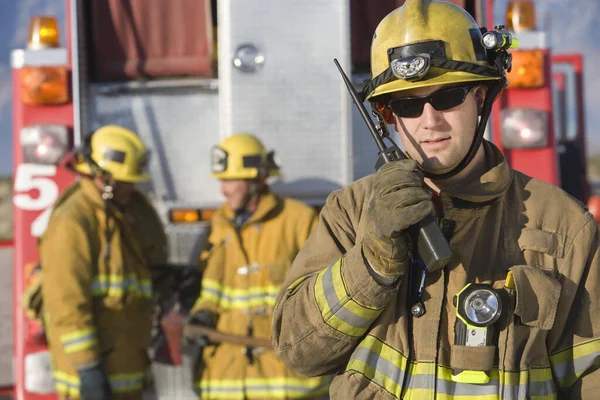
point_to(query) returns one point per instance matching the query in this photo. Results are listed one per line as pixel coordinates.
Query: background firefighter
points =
(102, 238)
(254, 237)
(349, 301)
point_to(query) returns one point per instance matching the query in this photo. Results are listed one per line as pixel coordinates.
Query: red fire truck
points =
(539, 120)
(184, 76)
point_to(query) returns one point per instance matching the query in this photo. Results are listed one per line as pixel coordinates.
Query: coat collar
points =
(267, 203)
(493, 183)
(93, 195)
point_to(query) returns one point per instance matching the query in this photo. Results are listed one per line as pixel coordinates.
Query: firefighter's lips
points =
(435, 143)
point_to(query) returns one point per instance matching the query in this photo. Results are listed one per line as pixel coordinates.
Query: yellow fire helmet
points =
(243, 156)
(117, 151)
(426, 43)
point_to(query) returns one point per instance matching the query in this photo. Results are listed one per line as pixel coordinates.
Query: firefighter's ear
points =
(385, 111)
(480, 93)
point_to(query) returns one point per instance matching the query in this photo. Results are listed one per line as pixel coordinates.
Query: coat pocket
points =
(472, 365)
(472, 358)
(537, 297)
(530, 313)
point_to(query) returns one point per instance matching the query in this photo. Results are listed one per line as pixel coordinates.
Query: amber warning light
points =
(520, 16)
(43, 33)
(44, 85)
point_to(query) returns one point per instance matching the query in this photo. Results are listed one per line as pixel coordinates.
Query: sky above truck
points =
(570, 26)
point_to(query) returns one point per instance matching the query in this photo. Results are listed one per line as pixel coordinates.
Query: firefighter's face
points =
(236, 192)
(439, 140)
(123, 192)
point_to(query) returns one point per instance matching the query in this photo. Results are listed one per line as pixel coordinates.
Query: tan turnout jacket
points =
(332, 316)
(99, 311)
(243, 274)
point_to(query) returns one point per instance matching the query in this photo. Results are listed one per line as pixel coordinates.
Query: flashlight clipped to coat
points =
(478, 307)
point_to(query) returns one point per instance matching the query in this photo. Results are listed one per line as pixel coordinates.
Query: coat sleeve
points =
(329, 299)
(574, 340)
(211, 262)
(66, 256)
(305, 227)
(155, 241)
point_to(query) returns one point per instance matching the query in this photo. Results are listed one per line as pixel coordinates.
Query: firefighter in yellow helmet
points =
(254, 237)
(102, 237)
(513, 313)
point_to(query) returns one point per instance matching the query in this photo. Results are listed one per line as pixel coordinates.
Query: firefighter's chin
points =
(436, 165)
(436, 162)
(234, 203)
(124, 192)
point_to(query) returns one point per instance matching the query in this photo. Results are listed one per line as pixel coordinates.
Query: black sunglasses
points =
(441, 100)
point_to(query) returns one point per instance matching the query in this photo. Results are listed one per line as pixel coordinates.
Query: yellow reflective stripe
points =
(570, 364)
(280, 387)
(74, 335)
(66, 384)
(388, 368)
(297, 282)
(379, 363)
(127, 382)
(79, 340)
(120, 383)
(338, 309)
(229, 298)
(117, 285)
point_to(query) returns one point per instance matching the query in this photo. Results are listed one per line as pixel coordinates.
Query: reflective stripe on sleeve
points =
(570, 364)
(79, 340)
(120, 383)
(287, 388)
(338, 308)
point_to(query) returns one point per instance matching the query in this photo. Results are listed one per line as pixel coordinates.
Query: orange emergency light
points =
(43, 33)
(44, 85)
(527, 69)
(528, 66)
(520, 16)
(190, 215)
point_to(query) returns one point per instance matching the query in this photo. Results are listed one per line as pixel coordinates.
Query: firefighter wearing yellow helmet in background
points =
(95, 254)
(254, 237)
(514, 313)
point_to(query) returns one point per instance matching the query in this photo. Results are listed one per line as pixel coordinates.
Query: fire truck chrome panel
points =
(292, 89)
(179, 126)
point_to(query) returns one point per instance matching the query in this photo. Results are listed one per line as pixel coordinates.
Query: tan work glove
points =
(398, 199)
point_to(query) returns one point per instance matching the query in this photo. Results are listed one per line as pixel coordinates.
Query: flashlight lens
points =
(481, 306)
(489, 40)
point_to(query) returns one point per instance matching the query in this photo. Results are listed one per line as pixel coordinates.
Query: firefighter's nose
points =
(431, 118)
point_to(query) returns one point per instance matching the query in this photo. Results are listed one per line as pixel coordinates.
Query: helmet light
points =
(411, 68)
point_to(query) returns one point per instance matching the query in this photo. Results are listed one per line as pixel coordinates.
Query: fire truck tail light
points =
(520, 15)
(44, 144)
(524, 128)
(44, 85)
(527, 69)
(179, 215)
(43, 33)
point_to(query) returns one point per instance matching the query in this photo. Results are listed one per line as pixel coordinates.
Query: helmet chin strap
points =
(253, 189)
(493, 91)
(242, 214)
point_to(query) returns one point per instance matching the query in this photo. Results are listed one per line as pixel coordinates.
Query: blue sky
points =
(571, 30)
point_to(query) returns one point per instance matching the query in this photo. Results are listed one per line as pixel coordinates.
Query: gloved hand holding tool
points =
(398, 200)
